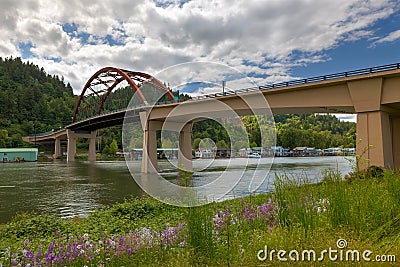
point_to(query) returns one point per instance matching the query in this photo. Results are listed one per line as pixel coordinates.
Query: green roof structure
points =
(18, 154)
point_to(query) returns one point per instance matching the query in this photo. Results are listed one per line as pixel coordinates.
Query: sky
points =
(266, 40)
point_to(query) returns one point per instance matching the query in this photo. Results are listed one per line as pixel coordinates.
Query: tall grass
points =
(393, 185)
(298, 215)
(361, 205)
(296, 201)
(200, 234)
(334, 189)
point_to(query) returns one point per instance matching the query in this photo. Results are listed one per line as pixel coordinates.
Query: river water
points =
(75, 189)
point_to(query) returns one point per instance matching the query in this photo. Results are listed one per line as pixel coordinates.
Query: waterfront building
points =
(205, 153)
(18, 154)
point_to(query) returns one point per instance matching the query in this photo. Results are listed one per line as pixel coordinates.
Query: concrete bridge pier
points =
(57, 148)
(185, 148)
(396, 141)
(71, 147)
(149, 156)
(92, 147)
(376, 139)
(378, 135)
(378, 126)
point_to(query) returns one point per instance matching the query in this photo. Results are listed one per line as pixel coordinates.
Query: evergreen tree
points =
(113, 147)
(106, 150)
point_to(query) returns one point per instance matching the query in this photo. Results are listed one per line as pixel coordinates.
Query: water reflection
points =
(64, 189)
(75, 189)
(257, 170)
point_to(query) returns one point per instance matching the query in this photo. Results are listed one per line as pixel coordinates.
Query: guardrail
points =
(328, 77)
(41, 134)
(333, 76)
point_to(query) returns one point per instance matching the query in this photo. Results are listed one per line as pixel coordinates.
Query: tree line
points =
(31, 101)
(289, 131)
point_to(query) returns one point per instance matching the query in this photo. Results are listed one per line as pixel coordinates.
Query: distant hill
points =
(31, 101)
(320, 131)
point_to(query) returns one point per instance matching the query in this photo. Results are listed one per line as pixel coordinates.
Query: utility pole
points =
(34, 129)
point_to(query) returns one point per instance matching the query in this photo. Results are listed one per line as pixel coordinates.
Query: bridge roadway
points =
(373, 94)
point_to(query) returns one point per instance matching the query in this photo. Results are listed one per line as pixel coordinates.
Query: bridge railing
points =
(41, 134)
(328, 77)
(333, 76)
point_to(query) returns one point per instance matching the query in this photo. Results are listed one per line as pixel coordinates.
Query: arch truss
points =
(99, 87)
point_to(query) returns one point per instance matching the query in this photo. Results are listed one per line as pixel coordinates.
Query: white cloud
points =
(393, 36)
(270, 36)
(348, 117)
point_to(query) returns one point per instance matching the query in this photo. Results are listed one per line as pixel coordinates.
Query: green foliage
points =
(295, 199)
(196, 143)
(362, 205)
(210, 129)
(31, 101)
(106, 150)
(118, 219)
(4, 139)
(115, 133)
(31, 225)
(222, 144)
(113, 147)
(135, 209)
(320, 131)
(200, 234)
(365, 212)
(393, 185)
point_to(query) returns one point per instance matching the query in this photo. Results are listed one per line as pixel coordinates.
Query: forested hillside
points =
(32, 101)
(320, 131)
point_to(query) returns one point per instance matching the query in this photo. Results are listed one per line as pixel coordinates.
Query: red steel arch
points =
(92, 97)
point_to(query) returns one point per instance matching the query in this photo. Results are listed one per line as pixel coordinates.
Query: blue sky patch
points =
(25, 48)
(86, 38)
(363, 53)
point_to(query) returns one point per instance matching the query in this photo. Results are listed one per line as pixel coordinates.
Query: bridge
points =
(373, 94)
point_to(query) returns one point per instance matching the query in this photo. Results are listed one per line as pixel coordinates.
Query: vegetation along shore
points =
(356, 219)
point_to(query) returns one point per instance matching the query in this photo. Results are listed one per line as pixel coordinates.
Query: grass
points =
(144, 232)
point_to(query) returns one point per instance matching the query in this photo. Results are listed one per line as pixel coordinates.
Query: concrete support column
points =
(396, 141)
(374, 139)
(92, 146)
(149, 157)
(71, 146)
(57, 148)
(185, 148)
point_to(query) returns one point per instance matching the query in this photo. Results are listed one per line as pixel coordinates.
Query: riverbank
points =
(83, 157)
(355, 215)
